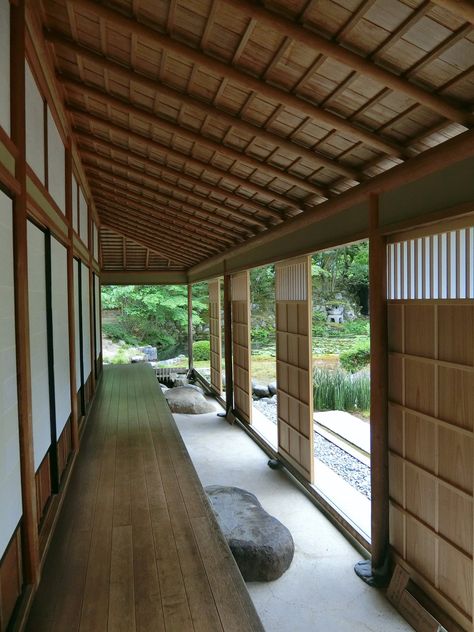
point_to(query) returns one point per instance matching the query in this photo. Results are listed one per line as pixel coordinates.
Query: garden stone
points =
(268, 400)
(261, 390)
(272, 388)
(187, 401)
(261, 545)
(163, 387)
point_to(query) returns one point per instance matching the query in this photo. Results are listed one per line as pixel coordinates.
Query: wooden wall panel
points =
(215, 334)
(35, 145)
(56, 164)
(5, 65)
(60, 334)
(294, 364)
(38, 343)
(431, 412)
(10, 476)
(86, 322)
(241, 345)
(11, 579)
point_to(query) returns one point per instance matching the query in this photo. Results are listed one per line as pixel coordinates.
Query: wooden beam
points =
(190, 327)
(353, 60)
(194, 197)
(127, 229)
(207, 109)
(181, 179)
(193, 213)
(140, 277)
(188, 207)
(146, 223)
(222, 175)
(190, 241)
(209, 144)
(159, 211)
(464, 9)
(29, 522)
(278, 95)
(405, 26)
(378, 389)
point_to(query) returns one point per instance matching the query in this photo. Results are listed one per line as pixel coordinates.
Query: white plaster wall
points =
(56, 165)
(38, 343)
(86, 321)
(98, 333)
(5, 65)
(77, 333)
(34, 126)
(96, 242)
(10, 481)
(83, 216)
(60, 334)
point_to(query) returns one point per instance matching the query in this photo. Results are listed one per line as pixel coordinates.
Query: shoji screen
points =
(95, 234)
(60, 334)
(5, 64)
(86, 322)
(431, 413)
(83, 218)
(56, 164)
(77, 321)
(38, 343)
(215, 334)
(241, 344)
(10, 482)
(98, 333)
(294, 364)
(34, 126)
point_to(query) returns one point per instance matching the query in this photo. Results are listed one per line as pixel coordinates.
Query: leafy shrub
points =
(338, 390)
(116, 332)
(201, 350)
(356, 358)
(358, 327)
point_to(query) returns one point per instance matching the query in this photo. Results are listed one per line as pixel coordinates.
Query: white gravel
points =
(342, 463)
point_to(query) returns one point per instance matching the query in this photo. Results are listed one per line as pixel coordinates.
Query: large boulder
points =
(260, 390)
(272, 388)
(261, 545)
(187, 401)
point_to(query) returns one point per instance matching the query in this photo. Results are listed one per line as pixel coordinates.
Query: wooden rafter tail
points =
(116, 163)
(144, 222)
(158, 247)
(193, 137)
(190, 213)
(185, 237)
(190, 206)
(352, 60)
(224, 70)
(99, 188)
(206, 108)
(90, 135)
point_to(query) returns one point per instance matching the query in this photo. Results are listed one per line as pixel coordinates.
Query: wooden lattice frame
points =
(294, 364)
(241, 345)
(215, 336)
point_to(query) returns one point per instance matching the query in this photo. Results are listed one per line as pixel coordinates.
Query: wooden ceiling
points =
(201, 123)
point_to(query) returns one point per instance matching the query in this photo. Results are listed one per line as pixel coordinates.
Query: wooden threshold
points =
(137, 547)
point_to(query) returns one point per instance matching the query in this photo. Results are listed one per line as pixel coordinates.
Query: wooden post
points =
(229, 387)
(378, 389)
(29, 531)
(70, 302)
(190, 327)
(90, 264)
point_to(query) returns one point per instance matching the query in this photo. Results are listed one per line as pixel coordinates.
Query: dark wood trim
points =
(8, 142)
(229, 389)
(18, 126)
(80, 390)
(8, 182)
(378, 389)
(11, 579)
(43, 487)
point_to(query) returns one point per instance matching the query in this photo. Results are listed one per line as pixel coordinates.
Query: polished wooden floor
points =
(136, 547)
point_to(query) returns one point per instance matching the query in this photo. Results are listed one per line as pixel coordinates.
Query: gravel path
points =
(346, 466)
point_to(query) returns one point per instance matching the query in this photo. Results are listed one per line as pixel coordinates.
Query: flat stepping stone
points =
(261, 545)
(187, 400)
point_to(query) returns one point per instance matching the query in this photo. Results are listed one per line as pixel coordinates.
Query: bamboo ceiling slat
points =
(229, 116)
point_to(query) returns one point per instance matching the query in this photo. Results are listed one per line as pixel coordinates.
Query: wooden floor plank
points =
(137, 547)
